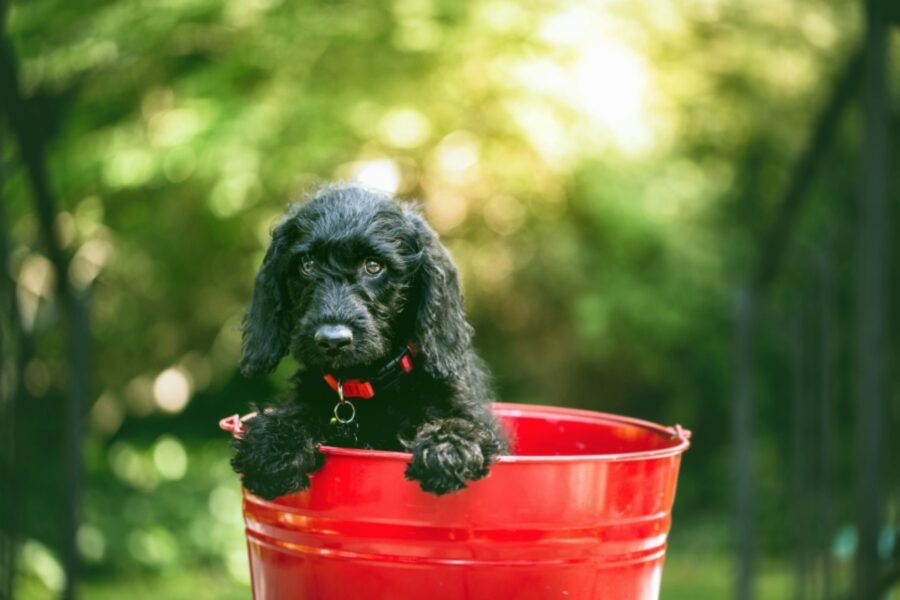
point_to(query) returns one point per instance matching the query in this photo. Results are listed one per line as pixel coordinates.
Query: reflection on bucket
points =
(581, 510)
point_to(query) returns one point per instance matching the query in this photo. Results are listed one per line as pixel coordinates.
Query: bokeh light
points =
(172, 389)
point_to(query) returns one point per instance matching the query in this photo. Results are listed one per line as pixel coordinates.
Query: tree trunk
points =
(21, 121)
(871, 236)
(742, 426)
(824, 492)
(13, 353)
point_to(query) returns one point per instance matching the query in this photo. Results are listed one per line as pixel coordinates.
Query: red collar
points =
(386, 377)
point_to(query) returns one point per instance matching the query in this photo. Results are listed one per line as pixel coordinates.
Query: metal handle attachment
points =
(681, 433)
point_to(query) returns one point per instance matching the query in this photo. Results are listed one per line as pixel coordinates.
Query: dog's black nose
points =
(333, 337)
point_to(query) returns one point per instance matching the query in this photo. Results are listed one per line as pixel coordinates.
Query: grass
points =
(181, 585)
(710, 577)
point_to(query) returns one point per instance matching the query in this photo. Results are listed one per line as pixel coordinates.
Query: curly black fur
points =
(314, 274)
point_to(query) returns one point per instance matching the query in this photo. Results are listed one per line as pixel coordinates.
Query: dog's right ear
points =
(266, 330)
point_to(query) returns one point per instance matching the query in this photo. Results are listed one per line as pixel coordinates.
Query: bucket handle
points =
(235, 426)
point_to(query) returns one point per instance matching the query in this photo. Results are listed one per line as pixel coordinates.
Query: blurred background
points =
(684, 211)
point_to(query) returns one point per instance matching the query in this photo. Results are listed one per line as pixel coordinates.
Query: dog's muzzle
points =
(333, 338)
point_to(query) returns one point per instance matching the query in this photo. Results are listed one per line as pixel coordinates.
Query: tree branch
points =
(775, 241)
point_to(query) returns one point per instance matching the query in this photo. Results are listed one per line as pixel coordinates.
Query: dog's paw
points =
(274, 457)
(445, 459)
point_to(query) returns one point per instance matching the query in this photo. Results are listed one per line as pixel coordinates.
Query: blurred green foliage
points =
(600, 170)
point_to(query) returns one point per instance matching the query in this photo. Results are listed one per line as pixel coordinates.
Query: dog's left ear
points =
(441, 330)
(266, 331)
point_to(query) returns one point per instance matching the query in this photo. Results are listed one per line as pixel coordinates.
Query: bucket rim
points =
(506, 409)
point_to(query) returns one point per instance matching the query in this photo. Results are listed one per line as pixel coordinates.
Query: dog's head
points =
(349, 277)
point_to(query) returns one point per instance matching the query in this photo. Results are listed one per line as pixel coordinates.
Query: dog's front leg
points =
(447, 453)
(277, 452)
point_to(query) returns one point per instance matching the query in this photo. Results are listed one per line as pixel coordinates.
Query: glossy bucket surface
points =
(580, 510)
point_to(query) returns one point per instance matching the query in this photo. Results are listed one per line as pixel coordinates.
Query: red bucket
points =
(581, 510)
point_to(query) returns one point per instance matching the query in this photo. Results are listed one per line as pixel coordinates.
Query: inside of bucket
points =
(556, 435)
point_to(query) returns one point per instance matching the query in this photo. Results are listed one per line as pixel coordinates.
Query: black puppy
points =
(357, 287)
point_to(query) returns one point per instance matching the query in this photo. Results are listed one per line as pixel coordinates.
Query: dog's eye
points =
(307, 265)
(373, 267)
